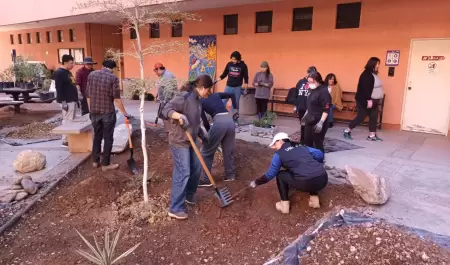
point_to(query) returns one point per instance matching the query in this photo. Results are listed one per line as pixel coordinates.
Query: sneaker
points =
(374, 138)
(204, 183)
(347, 135)
(110, 167)
(95, 165)
(192, 202)
(229, 178)
(179, 216)
(65, 144)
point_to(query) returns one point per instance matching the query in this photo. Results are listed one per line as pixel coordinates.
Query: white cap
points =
(279, 136)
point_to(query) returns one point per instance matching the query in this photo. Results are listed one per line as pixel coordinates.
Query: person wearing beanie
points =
(303, 170)
(302, 93)
(237, 73)
(102, 93)
(263, 82)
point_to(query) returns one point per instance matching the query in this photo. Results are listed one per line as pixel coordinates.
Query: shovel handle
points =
(127, 123)
(200, 157)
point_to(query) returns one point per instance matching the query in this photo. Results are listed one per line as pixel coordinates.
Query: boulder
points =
(29, 186)
(29, 161)
(21, 195)
(373, 189)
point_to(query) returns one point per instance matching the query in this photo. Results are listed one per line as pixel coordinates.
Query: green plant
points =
(266, 121)
(105, 255)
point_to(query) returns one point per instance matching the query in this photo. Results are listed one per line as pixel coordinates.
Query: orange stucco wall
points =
(93, 38)
(385, 25)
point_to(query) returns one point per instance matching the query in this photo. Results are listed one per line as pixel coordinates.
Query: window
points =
(19, 38)
(177, 29)
(302, 20)
(264, 22)
(60, 36)
(72, 36)
(154, 30)
(11, 39)
(38, 37)
(49, 36)
(348, 15)
(77, 53)
(28, 38)
(230, 24)
(133, 34)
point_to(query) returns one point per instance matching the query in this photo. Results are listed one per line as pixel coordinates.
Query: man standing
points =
(81, 80)
(66, 91)
(166, 85)
(102, 92)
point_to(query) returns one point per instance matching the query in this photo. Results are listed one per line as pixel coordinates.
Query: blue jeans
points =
(237, 93)
(186, 173)
(331, 113)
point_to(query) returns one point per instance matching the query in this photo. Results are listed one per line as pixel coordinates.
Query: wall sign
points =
(432, 68)
(433, 58)
(392, 58)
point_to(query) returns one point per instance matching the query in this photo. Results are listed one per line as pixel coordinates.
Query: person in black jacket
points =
(237, 73)
(368, 96)
(302, 93)
(318, 102)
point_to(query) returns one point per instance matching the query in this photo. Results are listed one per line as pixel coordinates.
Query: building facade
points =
(336, 36)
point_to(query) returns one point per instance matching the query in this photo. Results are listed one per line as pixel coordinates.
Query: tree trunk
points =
(141, 113)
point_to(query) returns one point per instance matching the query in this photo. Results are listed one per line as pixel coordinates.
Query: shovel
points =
(131, 162)
(223, 195)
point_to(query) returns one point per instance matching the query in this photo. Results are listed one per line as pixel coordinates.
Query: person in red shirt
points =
(81, 81)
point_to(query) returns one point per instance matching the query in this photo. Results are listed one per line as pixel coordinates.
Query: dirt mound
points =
(372, 244)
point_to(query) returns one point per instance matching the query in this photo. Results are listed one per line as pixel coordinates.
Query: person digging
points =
(304, 171)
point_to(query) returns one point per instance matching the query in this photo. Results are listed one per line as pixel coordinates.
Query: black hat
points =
(88, 60)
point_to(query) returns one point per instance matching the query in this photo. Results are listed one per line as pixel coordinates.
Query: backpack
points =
(292, 96)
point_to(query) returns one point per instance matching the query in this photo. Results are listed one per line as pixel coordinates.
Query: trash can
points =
(247, 103)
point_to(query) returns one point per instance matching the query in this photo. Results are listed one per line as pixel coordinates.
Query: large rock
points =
(29, 161)
(21, 195)
(372, 188)
(29, 186)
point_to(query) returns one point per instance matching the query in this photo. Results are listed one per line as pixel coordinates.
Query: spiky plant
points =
(105, 255)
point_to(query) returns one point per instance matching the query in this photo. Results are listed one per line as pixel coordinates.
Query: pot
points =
(44, 96)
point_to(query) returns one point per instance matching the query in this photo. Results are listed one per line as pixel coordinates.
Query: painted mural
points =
(202, 56)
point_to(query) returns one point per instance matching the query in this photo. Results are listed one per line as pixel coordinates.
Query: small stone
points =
(378, 241)
(425, 257)
(29, 186)
(308, 248)
(8, 197)
(352, 249)
(332, 239)
(21, 195)
(16, 187)
(17, 181)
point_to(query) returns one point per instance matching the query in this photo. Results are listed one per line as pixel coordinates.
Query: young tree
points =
(137, 14)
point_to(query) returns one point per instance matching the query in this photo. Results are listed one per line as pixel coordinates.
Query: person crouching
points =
(304, 171)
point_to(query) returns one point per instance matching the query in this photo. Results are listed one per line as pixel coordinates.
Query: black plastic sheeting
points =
(291, 254)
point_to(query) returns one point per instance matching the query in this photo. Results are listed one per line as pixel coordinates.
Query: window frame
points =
(11, 39)
(19, 38)
(261, 13)
(305, 10)
(72, 36)
(48, 36)
(344, 25)
(38, 37)
(28, 38)
(177, 25)
(71, 51)
(154, 28)
(225, 24)
(60, 35)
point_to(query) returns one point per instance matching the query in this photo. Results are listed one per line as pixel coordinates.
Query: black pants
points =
(103, 125)
(286, 181)
(302, 127)
(315, 140)
(261, 106)
(363, 112)
(84, 106)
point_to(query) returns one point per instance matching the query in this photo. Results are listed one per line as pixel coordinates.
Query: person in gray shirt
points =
(185, 110)
(263, 82)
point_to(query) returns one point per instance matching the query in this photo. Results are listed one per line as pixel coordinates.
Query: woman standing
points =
(336, 97)
(301, 96)
(237, 73)
(185, 111)
(222, 133)
(263, 82)
(319, 101)
(304, 171)
(368, 96)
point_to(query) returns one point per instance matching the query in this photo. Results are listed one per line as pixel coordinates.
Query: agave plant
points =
(105, 255)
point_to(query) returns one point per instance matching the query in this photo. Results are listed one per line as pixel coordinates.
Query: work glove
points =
(64, 106)
(235, 115)
(203, 135)
(259, 181)
(252, 184)
(318, 128)
(185, 124)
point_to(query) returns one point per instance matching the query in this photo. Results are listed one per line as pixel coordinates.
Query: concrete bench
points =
(16, 104)
(79, 134)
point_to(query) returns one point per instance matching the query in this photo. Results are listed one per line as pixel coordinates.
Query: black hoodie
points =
(302, 95)
(236, 74)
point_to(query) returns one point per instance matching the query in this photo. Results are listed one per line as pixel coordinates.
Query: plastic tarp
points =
(291, 254)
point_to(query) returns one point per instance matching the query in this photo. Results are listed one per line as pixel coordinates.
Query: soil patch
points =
(378, 243)
(28, 117)
(35, 130)
(249, 231)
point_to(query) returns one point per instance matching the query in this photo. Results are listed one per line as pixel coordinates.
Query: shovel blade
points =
(224, 197)
(132, 166)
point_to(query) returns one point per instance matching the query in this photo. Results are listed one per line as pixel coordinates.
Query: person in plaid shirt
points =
(102, 92)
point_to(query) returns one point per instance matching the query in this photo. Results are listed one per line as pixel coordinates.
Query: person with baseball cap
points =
(81, 77)
(303, 170)
(166, 83)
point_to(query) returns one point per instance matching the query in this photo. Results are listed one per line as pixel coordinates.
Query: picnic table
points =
(16, 91)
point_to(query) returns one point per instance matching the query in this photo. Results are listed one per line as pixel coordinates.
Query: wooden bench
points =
(79, 134)
(16, 104)
(279, 97)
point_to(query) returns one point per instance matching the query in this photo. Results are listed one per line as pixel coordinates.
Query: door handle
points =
(409, 88)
